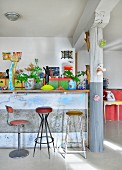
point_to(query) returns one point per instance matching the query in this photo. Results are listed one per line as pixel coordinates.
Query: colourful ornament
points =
(102, 43)
(96, 98)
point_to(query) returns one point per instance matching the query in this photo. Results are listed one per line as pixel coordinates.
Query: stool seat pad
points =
(19, 122)
(74, 113)
(43, 110)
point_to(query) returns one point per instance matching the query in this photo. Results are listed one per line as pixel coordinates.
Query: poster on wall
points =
(6, 56)
(54, 71)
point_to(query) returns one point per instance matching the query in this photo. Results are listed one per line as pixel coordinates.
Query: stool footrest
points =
(52, 140)
(75, 151)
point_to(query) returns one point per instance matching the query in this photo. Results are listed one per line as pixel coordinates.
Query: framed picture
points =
(54, 71)
(6, 56)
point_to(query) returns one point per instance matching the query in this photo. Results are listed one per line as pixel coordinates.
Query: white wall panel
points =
(47, 50)
(112, 61)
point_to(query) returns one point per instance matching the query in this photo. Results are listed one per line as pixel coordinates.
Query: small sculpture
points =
(14, 60)
(7, 73)
(100, 69)
(47, 74)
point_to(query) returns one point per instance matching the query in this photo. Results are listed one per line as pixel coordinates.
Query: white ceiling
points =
(41, 18)
(113, 31)
(55, 18)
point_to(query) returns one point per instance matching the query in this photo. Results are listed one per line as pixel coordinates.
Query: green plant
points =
(69, 74)
(34, 73)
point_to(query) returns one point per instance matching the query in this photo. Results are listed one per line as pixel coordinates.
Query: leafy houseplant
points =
(68, 73)
(34, 72)
(75, 79)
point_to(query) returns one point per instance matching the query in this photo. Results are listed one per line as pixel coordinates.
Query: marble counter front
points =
(25, 101)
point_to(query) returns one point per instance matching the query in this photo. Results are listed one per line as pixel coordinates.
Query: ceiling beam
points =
(107, 5)
(90, 17)
(85, 19)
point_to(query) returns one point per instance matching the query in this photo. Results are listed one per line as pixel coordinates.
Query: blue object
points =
(41, 75)
(80, 87)
(72, 85)
(11, 86)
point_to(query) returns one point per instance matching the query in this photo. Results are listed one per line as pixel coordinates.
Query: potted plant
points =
(75, 78)
(31, 79)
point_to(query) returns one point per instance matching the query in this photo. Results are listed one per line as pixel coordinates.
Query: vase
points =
(39, 85)
(72, 85)
(29, 84)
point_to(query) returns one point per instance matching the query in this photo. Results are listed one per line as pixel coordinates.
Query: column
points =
(96, 90)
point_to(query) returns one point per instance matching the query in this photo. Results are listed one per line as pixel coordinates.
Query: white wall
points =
(47, 50)
(83, 59)
(112, 62)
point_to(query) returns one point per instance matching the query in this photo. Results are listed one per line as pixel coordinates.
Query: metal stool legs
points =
(19, 153)
(82, 140)
(40, 136)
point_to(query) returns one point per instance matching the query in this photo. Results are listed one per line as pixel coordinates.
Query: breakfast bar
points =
(25, 101)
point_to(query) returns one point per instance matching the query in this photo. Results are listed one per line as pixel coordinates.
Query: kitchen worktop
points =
(25, 102)
(44, 91)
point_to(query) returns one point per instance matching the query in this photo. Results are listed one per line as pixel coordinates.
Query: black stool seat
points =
(43, 113)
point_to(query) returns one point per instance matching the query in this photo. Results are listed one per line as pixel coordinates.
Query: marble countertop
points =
(44, 91)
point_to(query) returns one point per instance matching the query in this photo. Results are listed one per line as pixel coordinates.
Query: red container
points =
(68, 67)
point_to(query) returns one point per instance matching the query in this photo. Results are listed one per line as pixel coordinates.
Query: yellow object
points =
(47, 87)
(5, 82)
(18, 84)
(74, 113)
(6, 56)
(88, 73)
(2, 82)
(14, 59)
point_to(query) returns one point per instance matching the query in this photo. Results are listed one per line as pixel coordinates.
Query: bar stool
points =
(19, 153)
(43, 113)
(74, 113)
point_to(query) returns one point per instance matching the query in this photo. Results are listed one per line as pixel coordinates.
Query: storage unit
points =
(111, 111)
(5, 82)
(57, 82)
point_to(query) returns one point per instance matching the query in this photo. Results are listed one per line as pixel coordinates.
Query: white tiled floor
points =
(110, 159)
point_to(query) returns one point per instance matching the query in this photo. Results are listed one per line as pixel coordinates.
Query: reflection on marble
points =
(55, 100)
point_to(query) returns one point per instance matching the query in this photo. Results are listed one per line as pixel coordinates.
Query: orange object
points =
(68, 67)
